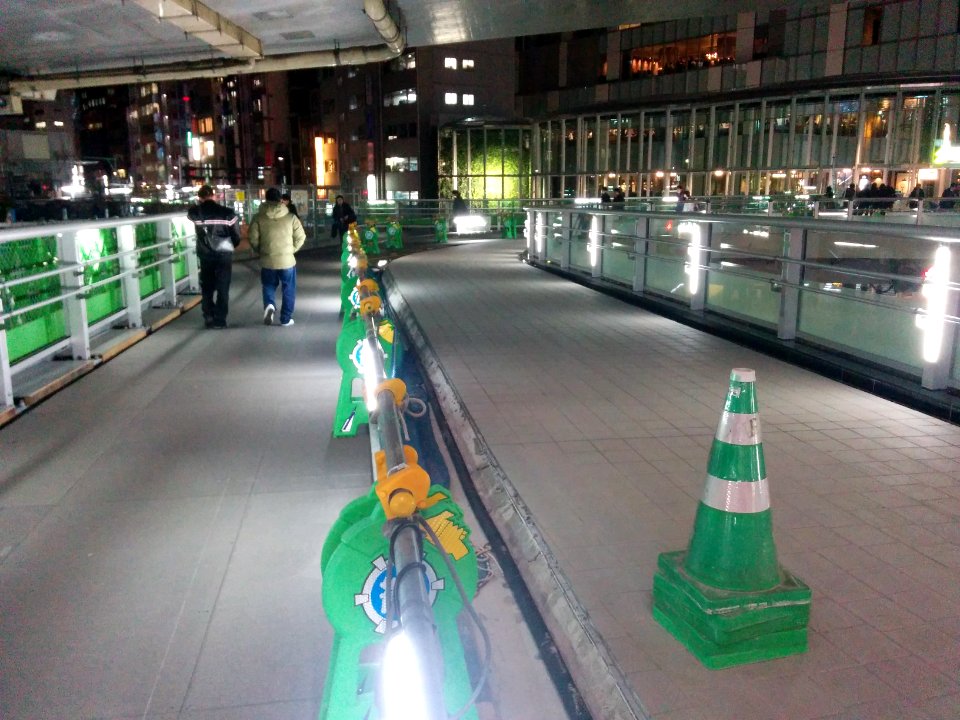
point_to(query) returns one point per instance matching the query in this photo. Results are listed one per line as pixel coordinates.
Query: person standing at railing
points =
(276, 235)
(291, 206)
(459, 205)
(218, 234)
(343, 215)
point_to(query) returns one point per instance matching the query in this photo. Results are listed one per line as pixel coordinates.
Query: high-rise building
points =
(372, 130)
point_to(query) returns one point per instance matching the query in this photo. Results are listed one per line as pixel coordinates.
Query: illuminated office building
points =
(794, 100)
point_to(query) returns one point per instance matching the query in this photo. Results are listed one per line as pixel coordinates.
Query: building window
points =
(872, 18)
(450, 63)
(404, 62)
(468, 99)
(402, 164)
(450, 98)
(467, 64)
(400, 97)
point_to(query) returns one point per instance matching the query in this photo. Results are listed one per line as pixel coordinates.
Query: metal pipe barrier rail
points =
(883, 292)
(421, 671)
(63, 283)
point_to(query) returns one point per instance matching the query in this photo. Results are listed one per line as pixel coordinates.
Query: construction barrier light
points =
(370, 379)
(935, 288)
(402, 681)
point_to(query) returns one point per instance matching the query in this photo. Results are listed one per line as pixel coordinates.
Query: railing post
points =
(599, 242)
(75, 305)
(791, 273)
(640, 249)
(6, 376)
(130, 278)
(936, 373)
(567, 240)
(699, 257)
(168, 270)
(190, 253)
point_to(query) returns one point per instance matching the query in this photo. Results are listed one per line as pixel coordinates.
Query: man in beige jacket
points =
(276, 234)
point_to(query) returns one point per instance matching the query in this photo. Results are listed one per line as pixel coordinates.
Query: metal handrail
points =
(407, 552)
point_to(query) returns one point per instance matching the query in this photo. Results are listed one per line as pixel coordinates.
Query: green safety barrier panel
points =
(107, 299)
(353, 563)
(440, 230)
(150, 280)
(178, 232)
(41, 327)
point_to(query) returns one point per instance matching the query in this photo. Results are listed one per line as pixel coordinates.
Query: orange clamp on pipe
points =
(403, 491)
(370, 286)
(396, 386)
(410, 457)
(370, 305)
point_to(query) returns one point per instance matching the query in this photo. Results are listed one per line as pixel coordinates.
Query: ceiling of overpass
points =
(44, 37)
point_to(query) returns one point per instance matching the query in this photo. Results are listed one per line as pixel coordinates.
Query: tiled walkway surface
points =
(161, 523)
(602, 416)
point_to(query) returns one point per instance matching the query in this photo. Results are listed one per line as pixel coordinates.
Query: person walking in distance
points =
(291, 206)
(218, 234)
(276, 235)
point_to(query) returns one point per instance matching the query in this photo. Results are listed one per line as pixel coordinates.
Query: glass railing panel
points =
(584, 238)
(743, 271)
(619, 260)
(863, 293)
(667, 253)
(556, 240)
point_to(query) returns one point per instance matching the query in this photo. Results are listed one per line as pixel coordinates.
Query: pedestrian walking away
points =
(277, 235)
(218, 234)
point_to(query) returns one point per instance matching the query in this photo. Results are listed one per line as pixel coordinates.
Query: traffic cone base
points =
(723, 628)
(725, 597)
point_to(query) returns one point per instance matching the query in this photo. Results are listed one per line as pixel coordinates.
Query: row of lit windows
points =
(451, 98)
(450, 63)
(401, 130)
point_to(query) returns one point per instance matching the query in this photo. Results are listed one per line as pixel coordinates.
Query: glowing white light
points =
(470, 223)
(541, 231)
(842, 243)
(694, 255)
(370, 378)
(932, 319)
(401, 681)
(724, 263)
(592, 246)
(371, 187)
(381, 263)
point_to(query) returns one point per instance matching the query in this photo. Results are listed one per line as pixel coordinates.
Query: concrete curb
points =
(600, 681)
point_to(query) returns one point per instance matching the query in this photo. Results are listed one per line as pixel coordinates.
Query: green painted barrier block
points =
(510, 227)
(354, 575)
(351, 411)
(440, 230)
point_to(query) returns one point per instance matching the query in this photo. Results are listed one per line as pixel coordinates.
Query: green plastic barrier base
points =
(394, 236)
(440, 228)
(723, 628)
(351, 410)
(353, 562)
(371, 241)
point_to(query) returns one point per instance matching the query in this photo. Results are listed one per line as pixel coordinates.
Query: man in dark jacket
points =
(218, 233)
(343, 215)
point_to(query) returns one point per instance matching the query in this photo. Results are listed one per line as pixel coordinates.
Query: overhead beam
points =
(207, 25)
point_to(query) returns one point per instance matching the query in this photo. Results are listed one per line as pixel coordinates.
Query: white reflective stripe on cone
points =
(739, 428)
(736, 496)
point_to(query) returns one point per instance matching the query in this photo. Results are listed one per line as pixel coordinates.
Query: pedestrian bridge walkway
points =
(161, 518)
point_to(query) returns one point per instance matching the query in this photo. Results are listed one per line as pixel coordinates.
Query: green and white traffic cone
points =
(726, 598)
